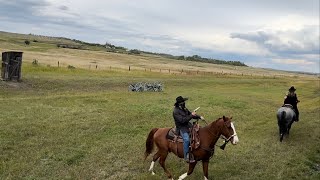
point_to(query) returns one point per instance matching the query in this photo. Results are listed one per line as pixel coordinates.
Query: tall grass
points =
(63, 123)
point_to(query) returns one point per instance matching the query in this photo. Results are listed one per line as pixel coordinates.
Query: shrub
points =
(27, 42)
(134, 51)
(35, 62)
(71, 67)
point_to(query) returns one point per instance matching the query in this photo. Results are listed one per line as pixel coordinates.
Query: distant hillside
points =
(63, 42)
(61, 51)
(119, 49)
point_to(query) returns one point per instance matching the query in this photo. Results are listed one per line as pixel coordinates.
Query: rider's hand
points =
(201, 117)
(193, 113)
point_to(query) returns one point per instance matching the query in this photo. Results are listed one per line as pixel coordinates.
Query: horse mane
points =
(214, 122)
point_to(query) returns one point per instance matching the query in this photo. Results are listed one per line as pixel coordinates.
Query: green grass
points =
(81, 124)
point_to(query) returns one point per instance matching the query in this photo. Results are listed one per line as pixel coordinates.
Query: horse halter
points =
(226, 140)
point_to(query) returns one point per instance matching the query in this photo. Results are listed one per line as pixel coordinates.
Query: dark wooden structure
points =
(11, 65)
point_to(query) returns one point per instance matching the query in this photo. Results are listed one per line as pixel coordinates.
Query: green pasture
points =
(63, 123)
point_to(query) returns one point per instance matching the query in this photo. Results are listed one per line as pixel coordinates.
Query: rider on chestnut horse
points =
(182, 116)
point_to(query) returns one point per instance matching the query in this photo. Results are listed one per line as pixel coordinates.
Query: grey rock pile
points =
(146, 86)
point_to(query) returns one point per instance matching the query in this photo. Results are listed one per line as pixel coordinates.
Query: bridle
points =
(226, 140)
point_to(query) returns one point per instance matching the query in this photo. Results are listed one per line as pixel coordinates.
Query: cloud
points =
(293, 61)
(21, 10)
(64, 8)
(252, 32)
(303, 41)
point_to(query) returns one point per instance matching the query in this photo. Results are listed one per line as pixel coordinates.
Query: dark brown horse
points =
(209, 135)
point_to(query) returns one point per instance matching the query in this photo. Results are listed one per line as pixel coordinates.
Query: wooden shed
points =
(11, 65)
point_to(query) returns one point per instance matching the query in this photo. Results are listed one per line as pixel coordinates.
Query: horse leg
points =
(191, 168)
(280, 134)
(162, 160)
(282, 131)
(281, 137)
(205, 164)
(289, 127)
(155, 158)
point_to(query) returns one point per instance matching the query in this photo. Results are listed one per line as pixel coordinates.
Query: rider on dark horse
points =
(182, 116)
(291, 98)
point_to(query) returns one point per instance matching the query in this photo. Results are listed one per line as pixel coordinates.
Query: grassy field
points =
(61, 123)
(80, 124)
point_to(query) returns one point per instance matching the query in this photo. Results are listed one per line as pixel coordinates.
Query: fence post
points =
(96, 66)
(129, 68)
(58, 64)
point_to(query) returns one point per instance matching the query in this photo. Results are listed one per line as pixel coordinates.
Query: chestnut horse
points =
(209, 135)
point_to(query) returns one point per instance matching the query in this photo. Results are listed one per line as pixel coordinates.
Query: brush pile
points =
(146, 86)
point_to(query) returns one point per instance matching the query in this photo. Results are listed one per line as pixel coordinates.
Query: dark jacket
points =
(291, 99)
(182, 118)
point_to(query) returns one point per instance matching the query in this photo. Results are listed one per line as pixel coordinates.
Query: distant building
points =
(11, 65)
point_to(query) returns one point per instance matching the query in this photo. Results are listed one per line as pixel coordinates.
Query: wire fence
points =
(222, 72)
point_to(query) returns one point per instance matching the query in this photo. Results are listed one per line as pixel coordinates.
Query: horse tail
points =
(149, 143)
(282, 119)
(283, 116)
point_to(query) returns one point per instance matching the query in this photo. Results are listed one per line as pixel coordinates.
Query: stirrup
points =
(190, 158)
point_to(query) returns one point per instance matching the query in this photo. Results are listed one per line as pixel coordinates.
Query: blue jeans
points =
(186, 142)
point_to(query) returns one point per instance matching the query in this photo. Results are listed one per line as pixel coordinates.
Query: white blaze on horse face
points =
(235, 138)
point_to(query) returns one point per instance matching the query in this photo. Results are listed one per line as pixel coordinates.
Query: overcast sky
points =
(279, 34)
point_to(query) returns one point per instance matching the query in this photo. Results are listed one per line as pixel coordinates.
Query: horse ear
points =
(224, 118)
(231, 117)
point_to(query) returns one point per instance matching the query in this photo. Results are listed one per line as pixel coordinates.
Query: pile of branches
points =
(142, 86)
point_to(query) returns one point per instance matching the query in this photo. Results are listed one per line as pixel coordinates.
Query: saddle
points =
(288, 106)
(194, 139)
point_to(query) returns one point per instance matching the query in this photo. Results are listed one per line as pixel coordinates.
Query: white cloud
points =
(269, 30)
(301, 41)
(293, 61)
(291, 22)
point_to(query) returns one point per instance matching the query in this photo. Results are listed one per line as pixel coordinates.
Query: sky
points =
(266, 33)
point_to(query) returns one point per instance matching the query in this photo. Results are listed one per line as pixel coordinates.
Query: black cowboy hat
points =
(180, 99)
(292, 89)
